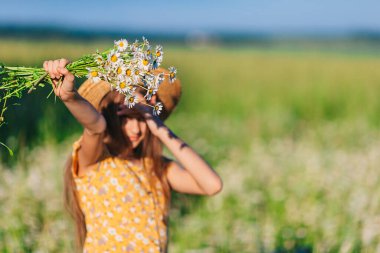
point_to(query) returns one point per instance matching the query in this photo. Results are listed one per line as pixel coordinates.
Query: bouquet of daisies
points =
(126, 66)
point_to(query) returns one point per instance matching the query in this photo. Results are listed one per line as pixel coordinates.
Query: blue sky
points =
(197, 15)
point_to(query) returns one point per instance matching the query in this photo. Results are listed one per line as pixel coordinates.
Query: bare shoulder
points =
(92, 150)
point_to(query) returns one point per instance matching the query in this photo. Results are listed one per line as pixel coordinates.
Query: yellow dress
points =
(122, 211)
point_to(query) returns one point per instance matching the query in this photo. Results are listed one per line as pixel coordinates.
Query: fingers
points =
(65, 72)
(62, 62)
(61, 78)
(55, 68)
(45, 65)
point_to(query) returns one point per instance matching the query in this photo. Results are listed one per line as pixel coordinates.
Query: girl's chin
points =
(135, 144)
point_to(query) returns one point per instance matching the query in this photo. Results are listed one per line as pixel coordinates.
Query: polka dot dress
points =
(123, 213)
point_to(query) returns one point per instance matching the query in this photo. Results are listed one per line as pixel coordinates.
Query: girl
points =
(117, 183)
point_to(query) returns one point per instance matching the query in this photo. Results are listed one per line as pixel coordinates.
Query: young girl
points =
(117, 183)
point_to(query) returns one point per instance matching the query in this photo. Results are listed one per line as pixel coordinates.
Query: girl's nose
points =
(135, 127)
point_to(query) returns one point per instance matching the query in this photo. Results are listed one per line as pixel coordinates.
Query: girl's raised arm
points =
(92, 121)
(192, 174)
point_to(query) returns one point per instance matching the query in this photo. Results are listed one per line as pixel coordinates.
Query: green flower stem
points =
(9, 150)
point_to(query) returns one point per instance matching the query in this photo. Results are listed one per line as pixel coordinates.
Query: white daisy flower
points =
(99, 60)
(151, 90)
(159, 79)
(131, 100)
(94, 75)
(128, 71)
(120, 71)
(131, 88)
(157, 109)
(121, 45)
(157, 60)
(172, 74)
(114, 57)
(144, 63)
(159, 53)
(121, 86)
(148, 52)
(136, 76)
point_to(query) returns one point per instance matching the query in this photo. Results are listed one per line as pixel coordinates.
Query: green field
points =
(293, 133)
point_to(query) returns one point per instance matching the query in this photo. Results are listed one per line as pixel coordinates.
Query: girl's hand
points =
(63, 80)
(154, 123)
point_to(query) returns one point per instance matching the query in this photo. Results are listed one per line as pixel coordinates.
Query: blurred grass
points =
(272, 92)
(294, 133)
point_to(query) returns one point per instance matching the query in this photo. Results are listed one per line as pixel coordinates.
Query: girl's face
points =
(134, 128)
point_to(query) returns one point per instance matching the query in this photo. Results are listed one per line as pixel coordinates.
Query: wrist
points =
(163, 132)
(166, 133)
(69, 96)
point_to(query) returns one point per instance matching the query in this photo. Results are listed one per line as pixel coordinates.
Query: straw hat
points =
(94, 92)
(168, 93)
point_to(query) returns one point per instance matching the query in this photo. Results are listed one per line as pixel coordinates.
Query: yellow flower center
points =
(114, 58)
(150, 90)
(122, 85)
(145, 62)
(137, 72)
(131, 99)
(158, 53)
(119, 70)
(148, 52)
(94, 73)
(121, 44)
(172, 75)
(128, 72)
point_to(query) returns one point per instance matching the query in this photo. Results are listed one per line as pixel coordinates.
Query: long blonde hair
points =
(149, 150)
